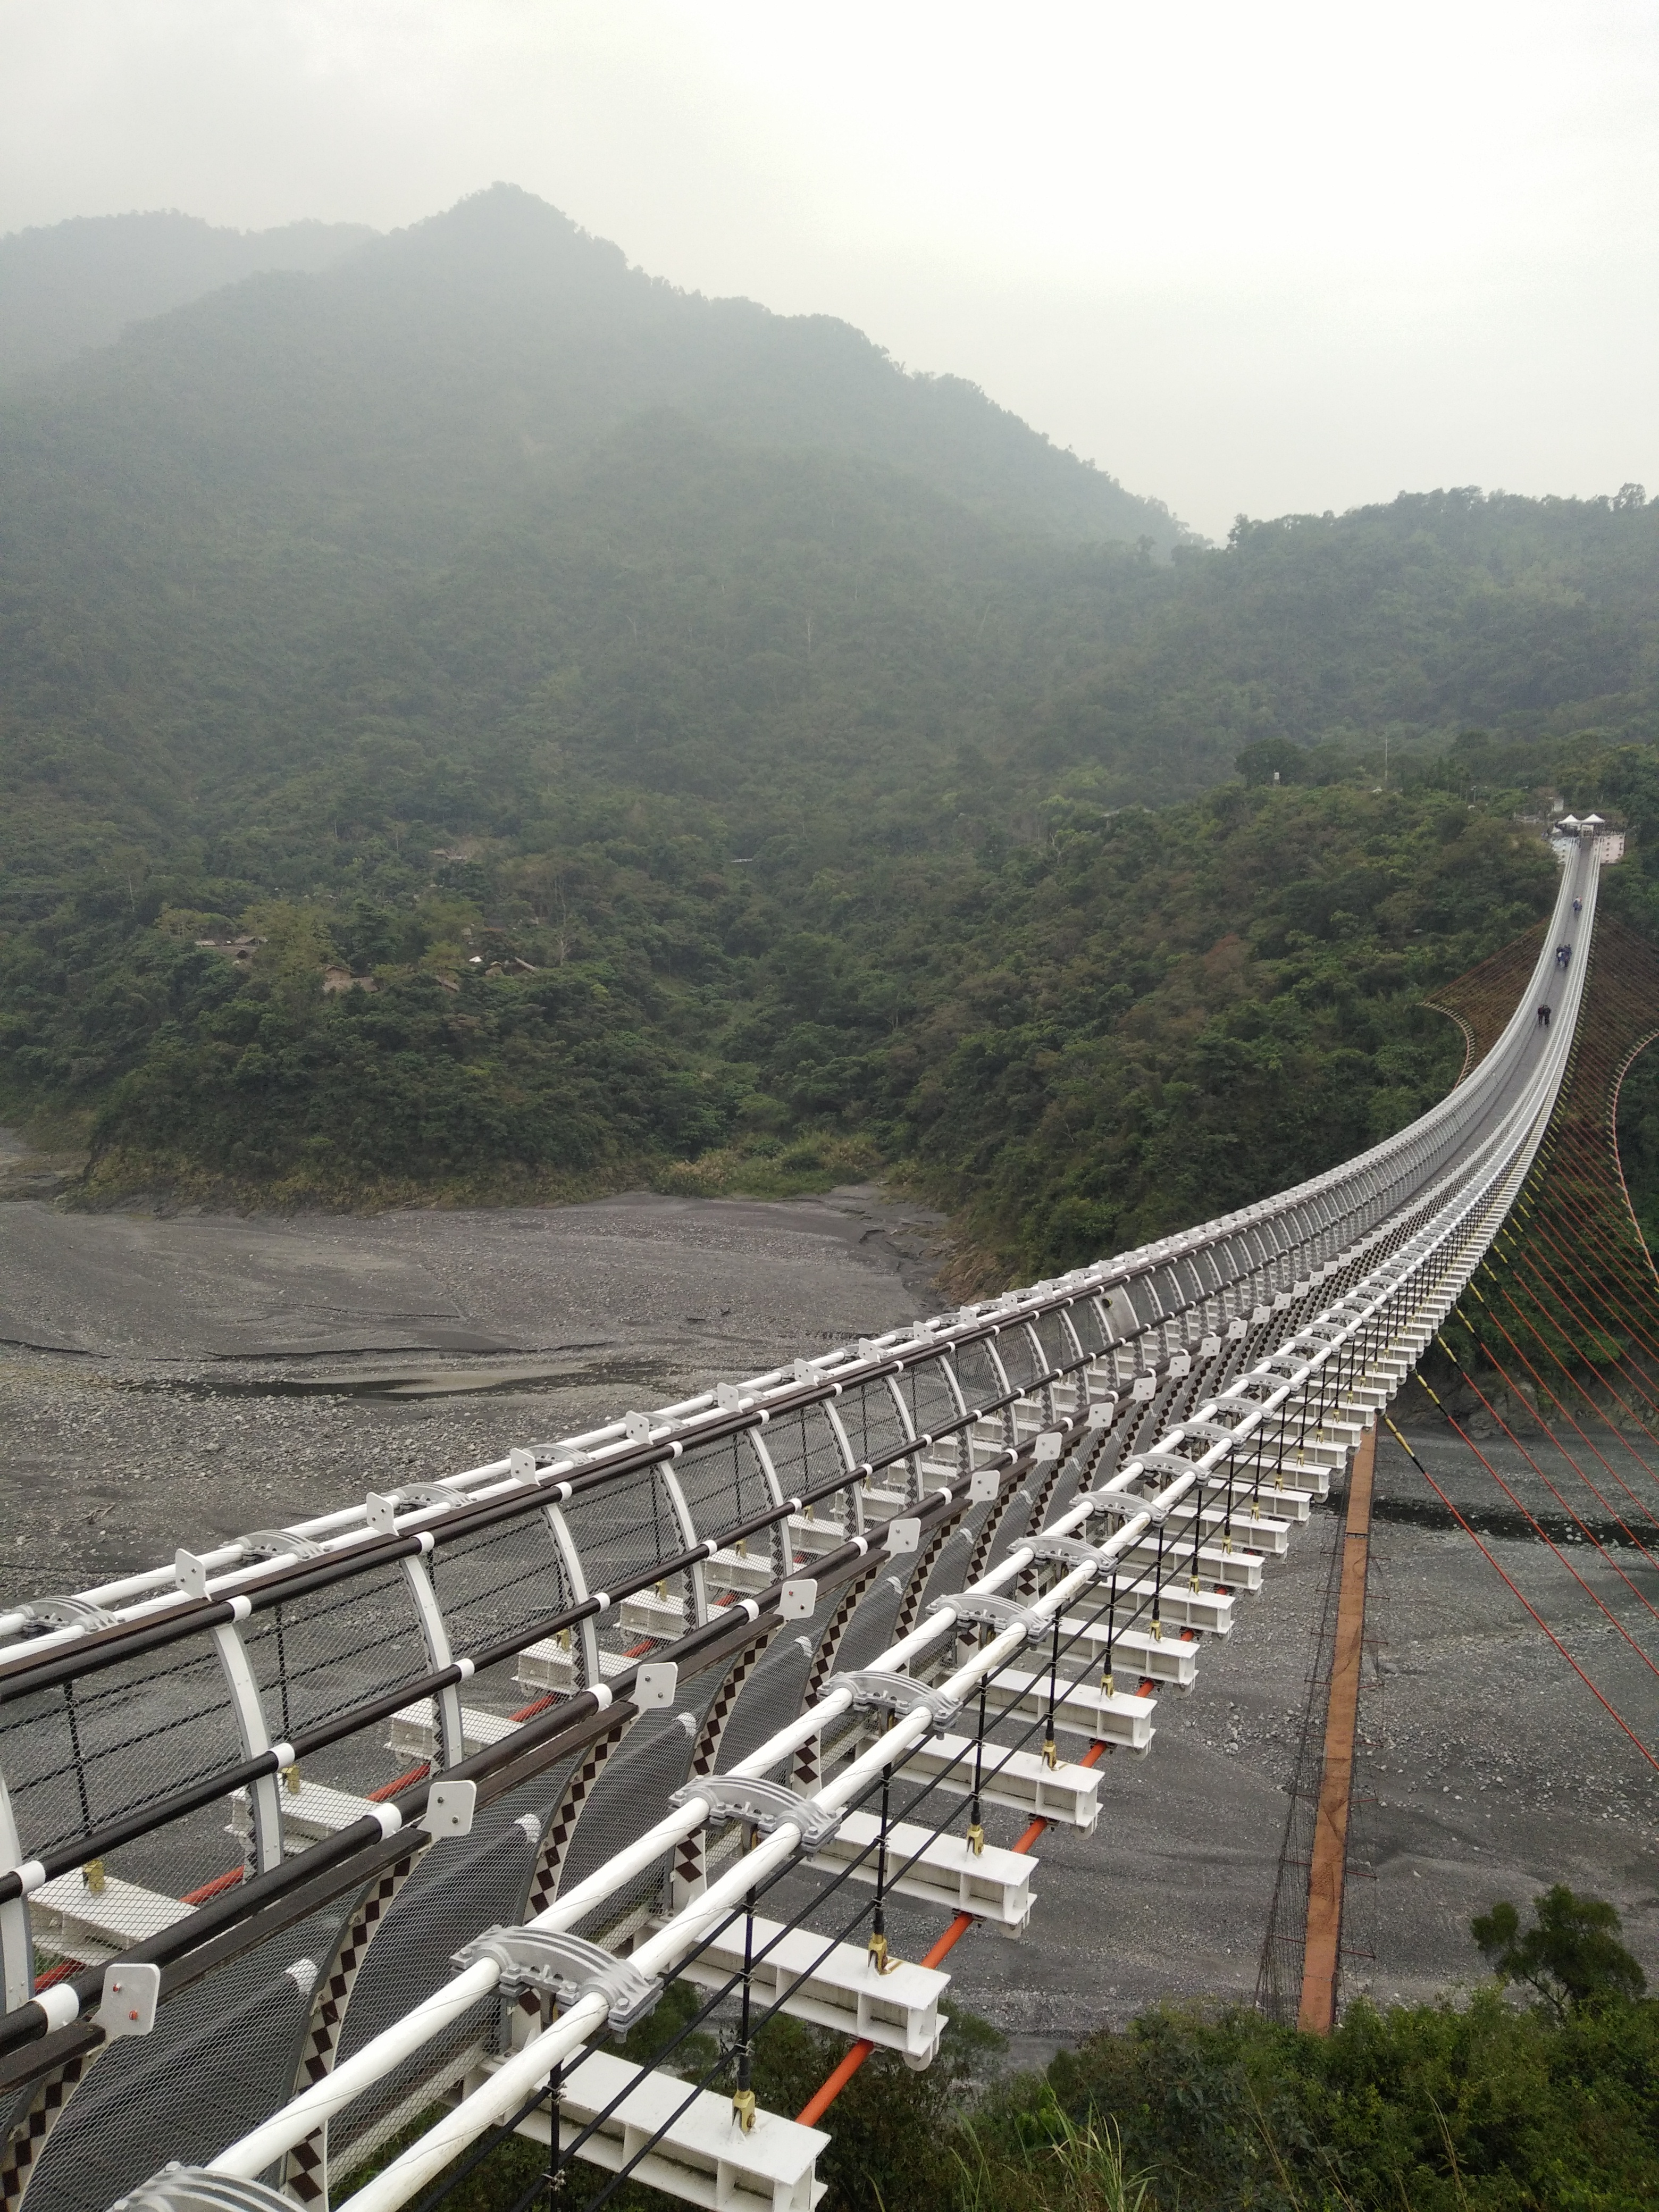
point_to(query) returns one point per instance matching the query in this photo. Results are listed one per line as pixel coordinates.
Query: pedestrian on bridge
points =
(1543, 1018)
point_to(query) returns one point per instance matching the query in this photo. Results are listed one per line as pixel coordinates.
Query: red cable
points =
(213, 1888)
(1533, 1286)
(1542, 1341)
(1526, 1249)
(1509, 1380)
(1645, 1383)
(1531, 1608)
(1566, 1416)
(1519, 1447)
(403, 1782)
(1634, 1276)
(1647, 1388)
(1545, 1538)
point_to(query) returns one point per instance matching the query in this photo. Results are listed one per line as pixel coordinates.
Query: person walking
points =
(1543, 1018)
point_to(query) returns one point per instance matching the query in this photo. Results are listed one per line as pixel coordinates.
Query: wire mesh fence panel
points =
(520, 1688)
(142, 1888)
(1021, 1359)
(367, 1763)
(317, 1655)
(926, 1388)
(981, 1381)
(222, 2056)
(870, 1414)
(1050, 1331)
(1088, 1320)
(802, 1447)
(945, 1577)
(870, 1629)
(1068, 1483)
(458, 1890)
(652, 1762)
(621, 1528)
(496, 1582)
(723, 1484)
(771, 1698)
(95, 1748)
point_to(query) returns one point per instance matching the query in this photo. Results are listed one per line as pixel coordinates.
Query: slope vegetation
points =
(638, 734)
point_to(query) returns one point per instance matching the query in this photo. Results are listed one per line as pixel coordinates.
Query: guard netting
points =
(932, 1402)
(621, 1528)
(870, 1415)
(99, 1746)
(455, 1892)
(801, 1445)
(317, 1655)
(493, 1583)
(223, 2055)
(724, 1485)
(982, 1379)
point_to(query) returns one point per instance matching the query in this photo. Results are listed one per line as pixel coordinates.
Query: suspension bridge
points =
(346, 1849)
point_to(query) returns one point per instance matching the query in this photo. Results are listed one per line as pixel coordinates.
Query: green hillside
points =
(78, 284)
(776, 727)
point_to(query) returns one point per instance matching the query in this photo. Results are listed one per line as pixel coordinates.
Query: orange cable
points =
(819, 2103)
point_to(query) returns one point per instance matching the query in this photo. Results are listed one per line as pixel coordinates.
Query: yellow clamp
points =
(743, 2109)
(878, 1958)
(976, 1838)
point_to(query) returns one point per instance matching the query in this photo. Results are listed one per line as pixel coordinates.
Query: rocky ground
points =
(176, 1380)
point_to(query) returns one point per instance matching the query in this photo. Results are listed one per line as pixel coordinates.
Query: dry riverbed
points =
(167, 1382)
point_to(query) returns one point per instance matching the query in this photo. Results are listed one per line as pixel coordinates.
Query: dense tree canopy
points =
(703, 749)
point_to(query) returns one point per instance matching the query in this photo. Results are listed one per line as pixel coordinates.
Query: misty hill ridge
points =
(73, 285)
(486, 346)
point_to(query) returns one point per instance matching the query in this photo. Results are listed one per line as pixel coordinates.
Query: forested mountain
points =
(689, 739)
(79, 284)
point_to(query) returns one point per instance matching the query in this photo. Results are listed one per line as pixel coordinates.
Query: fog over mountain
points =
(625, 728)
(68, 286)
(500, 331)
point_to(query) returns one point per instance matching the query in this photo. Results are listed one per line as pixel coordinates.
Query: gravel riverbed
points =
(177, 1381)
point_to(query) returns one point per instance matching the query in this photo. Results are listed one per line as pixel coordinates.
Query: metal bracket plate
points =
(67, 1613)
(1169, 1462)
(894, 1693)
(277, 1544)
(430, 1493)
(1121, 1503)
(766, 1806)
(192, 2189)
(1072, 1551)
(976, 1609)
(1211, 1431)
(566, 1967)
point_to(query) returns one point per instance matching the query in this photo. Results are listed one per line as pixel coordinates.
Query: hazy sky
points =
(1248, 258)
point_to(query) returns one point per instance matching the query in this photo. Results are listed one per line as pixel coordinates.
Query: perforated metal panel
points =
(491, 1584)
(222, 2054)
(724, 1485)
(314, 1658)
(91, 1751)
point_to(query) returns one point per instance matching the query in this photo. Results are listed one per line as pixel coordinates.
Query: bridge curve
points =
(438, 1709)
